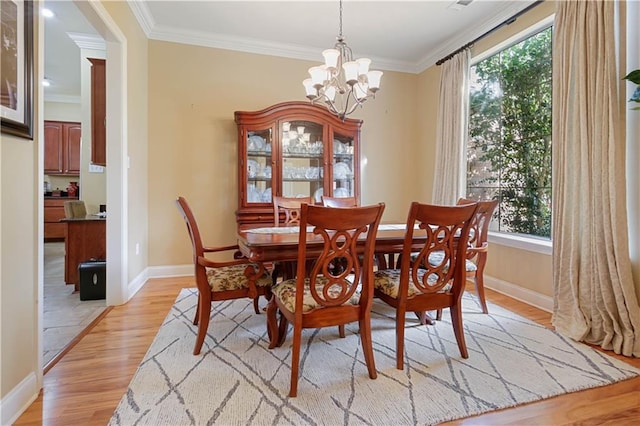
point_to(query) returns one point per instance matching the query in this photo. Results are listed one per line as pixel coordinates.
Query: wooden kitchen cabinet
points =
(62, 147)
(98, 112)
(293, 149)
(54, 230)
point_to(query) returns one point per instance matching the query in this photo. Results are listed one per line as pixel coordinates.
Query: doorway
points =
(116, 287)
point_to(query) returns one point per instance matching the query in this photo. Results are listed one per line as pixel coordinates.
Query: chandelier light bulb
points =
(351, 72)
(331, 58)
(363, 65)
(373, 78)
(312, 92)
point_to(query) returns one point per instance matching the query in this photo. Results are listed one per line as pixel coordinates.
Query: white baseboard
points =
(509, 289)
(19, 399)
(522, 294)
(137, 283)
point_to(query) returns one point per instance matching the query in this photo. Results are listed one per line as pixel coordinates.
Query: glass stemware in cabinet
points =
(343, 166)
(259, 169)
(302, 158)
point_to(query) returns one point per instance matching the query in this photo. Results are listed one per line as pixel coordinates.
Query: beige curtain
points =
(595, 299)
(452, 129)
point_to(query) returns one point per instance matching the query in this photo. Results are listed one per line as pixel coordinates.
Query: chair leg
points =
(458, 330)
(341, 330)
(256, 308)
(203, 320)
(282, 330)
(400, 314)
(367, 346)
(295, 359)
(272, 323)
(479, 281)
(277, 270)
(195, 318)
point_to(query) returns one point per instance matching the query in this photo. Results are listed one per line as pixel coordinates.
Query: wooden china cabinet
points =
(293, 149)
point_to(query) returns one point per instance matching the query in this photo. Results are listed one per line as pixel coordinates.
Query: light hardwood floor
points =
(86, 385)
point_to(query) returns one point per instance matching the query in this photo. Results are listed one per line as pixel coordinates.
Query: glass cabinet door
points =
(343, 182)
(259, 173)
(302, 159)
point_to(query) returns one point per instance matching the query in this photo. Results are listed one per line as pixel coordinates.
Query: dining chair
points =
(290, 207)
(478, 247)
(75, 209)
(419, 286)
(318, 297)
(220, 280)
(339, 201)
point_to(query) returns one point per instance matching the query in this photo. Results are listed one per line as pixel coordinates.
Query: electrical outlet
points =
(137, 248)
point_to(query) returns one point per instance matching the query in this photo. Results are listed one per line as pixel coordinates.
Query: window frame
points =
(519, 241)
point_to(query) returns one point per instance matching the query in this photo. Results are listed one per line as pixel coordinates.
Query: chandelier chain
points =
(340, 31)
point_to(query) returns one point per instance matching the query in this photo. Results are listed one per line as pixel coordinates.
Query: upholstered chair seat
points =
(234, 278)
(285, 291)
(387, 281)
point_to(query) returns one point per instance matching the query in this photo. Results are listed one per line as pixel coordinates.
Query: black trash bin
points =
(93, 279)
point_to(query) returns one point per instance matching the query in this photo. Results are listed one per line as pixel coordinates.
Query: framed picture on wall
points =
(16, 70)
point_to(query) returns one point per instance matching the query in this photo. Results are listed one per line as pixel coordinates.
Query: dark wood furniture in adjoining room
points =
(54, 229)
(294, 149)
(98, 111)
(86, 239)
(62, 147)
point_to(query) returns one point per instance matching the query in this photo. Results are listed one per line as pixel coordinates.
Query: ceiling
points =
(406, 36)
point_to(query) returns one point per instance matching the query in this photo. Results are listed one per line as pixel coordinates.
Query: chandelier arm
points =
(354, 106)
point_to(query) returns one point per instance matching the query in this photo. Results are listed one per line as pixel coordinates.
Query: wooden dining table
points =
(272, 244)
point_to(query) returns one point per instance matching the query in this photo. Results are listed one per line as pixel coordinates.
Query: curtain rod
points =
(508, 21)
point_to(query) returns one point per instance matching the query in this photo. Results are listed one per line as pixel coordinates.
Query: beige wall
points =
(20, 195)
(136, 141)
(193, 138)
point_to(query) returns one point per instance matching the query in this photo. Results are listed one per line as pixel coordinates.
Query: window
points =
(509, 144)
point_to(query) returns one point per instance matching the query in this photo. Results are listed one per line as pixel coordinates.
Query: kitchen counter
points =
(86, 239)
(87, 218)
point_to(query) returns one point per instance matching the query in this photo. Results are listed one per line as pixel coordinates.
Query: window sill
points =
(516, 241)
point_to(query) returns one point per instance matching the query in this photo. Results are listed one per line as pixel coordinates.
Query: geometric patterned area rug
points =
(237, 380)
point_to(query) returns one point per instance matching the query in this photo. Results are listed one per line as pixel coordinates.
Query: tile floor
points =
(65, 315)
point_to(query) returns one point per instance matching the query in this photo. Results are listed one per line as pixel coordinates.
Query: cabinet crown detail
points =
(293, 149)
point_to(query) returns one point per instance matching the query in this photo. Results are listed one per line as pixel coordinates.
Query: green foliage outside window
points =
(509, 147)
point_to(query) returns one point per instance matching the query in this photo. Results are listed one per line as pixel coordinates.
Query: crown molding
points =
(88, 41)
(262, 47)
(472, 33)
(143, 16)
(65, 99)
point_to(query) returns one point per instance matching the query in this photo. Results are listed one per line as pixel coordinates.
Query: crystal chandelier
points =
(342, 83)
